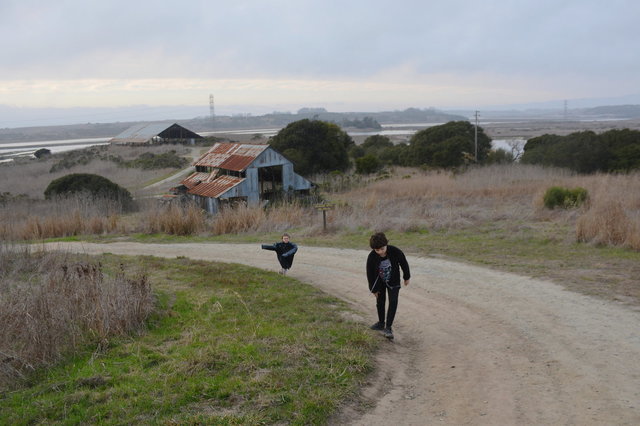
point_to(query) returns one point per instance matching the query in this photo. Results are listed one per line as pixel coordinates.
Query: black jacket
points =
(397, 259)
(285, 252)
(282, 249)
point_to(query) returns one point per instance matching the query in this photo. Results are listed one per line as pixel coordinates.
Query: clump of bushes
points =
(95, 185)
(148, 161)
(77, 157)
(368, 164)
(566, 198)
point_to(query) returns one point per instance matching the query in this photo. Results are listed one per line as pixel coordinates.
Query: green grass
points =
(230, 345)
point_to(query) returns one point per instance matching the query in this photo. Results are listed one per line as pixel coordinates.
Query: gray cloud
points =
(590, 41)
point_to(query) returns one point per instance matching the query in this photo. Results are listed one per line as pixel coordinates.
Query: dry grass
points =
(51, 304)
(412, 200)
(31, 177)
(408, 200)
(175, 219)
(74, 215)
(239, 219)
(441, 200)
(613, 217)
(255, 219)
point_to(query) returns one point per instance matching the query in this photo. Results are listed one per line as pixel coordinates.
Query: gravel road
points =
(473, 346)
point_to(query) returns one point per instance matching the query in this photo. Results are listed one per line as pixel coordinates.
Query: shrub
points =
(557, 196)
(367, 164)
(42, 153)
(95, 185)
(149, 161)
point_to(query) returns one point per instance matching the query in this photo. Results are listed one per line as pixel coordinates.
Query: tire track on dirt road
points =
(473, 345)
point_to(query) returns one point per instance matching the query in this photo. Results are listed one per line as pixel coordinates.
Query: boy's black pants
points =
(285, 262)
(393, 304)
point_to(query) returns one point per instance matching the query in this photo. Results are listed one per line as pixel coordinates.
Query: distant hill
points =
(613, 111)
(281, 119)
(203, 124)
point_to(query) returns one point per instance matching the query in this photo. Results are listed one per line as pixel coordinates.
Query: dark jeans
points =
(393, 304)
(286, 262)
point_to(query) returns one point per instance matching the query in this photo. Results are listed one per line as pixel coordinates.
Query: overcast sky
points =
(343, 55)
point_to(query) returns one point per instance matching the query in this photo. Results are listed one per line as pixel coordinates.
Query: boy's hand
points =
(376, 294)
(406, 282)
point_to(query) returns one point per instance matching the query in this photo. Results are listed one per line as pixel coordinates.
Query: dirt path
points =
(473, 346)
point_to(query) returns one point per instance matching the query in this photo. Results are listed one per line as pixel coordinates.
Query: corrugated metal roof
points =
(197, 177)
(215, 188)
(230, 156)
(142, 133)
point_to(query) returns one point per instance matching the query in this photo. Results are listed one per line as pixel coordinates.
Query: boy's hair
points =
(286, 235)
(378, 240)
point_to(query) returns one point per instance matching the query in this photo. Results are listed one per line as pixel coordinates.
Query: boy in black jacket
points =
(383, 273)
(285, 251)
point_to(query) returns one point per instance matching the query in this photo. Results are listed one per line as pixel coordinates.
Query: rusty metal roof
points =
(231, 156)
(215, 188)
(197, 177)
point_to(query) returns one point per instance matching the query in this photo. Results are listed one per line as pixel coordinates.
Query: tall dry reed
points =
(238, 219)
(74, 215)
(613, 216)
(174, 218)
(51, 305)
(279, 217)
(497, 194)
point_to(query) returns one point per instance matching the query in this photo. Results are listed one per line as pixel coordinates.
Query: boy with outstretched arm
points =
(285, 250)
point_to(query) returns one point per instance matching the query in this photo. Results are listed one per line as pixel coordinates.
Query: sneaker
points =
(388, 333)
(284, 271)
(377, 326)
(281, 271)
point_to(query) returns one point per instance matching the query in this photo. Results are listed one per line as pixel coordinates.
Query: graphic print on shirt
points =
(384, 270)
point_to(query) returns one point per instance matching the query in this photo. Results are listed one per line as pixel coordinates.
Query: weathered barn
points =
(236, 172)
(166, 132)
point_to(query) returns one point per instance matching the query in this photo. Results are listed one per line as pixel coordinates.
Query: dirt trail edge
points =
(473, 346)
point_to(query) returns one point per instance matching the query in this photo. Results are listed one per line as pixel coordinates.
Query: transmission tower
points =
(212, 110)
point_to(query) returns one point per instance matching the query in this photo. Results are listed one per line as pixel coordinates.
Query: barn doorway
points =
(270, 182)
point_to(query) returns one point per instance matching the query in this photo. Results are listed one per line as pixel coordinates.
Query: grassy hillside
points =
(227, 344)
(492, 216)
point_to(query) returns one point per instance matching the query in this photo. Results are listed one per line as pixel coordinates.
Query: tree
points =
(583, 152)
(376, 143)
(539, 150)
(500, 156)
(314, 146)
(96, 186)
(448, 145)
(624, 149)
(368, 164)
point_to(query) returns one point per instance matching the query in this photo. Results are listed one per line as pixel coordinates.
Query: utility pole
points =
(476, 137)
